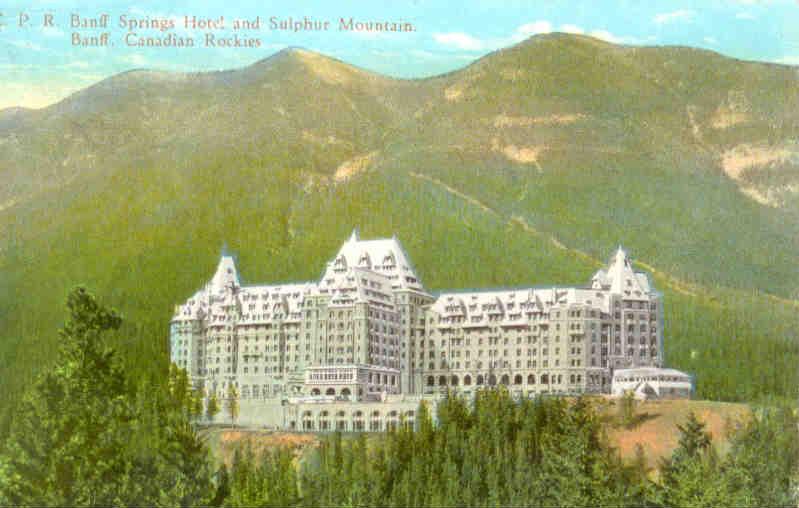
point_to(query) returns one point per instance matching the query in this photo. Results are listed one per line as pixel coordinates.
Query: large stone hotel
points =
(369, 333)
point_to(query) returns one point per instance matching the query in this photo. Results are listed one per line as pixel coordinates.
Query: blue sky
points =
(39, 66)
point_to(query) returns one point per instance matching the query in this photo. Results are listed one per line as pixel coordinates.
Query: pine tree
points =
(65, 445)
(212, 407)
(691, 477)
(626, 407)
(83, 436)
(222, 481)
(693, 438)
(197, 396)
(762, 467)
(232, 402)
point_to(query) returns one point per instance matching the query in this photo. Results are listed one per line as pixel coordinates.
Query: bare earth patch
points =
(724, 118)
(352, 167)
(735, 110)
(321, 139)
(658, 434)
(454, 93)
(502, 121)
(746, 156)
(773, 197)
(511, 74)
(523, 154)
(260, 441)
(8, 204)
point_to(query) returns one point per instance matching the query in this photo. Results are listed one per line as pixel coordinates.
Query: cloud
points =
(135, 59)
(77, 64)
(674, 16)
(467, 42)
(606, 36)
(618, 39)
(23, 44)
(788, 60)
(536, 27)
(459, 40)
(420, 53)
(52, 31)
(571, 29)
(34, 94)
(711, 40)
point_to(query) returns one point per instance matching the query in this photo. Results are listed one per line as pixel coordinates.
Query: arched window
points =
(315, 391)
(330, 391)
(544, 379)
(518, 379)
(431, 381)
(442, 380)
(480, 379)
(454, 380)
(345, 391)
(505, 380)
(492, 380)
(467, 380)
(531, 379)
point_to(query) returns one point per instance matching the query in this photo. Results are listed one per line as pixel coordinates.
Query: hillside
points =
(656, 431)
(527, 167)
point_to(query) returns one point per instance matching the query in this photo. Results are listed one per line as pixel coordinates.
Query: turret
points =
(226, 275)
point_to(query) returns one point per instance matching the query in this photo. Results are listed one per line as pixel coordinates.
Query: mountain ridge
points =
(524, 167)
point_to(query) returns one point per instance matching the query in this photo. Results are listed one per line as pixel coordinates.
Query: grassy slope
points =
(244, 158)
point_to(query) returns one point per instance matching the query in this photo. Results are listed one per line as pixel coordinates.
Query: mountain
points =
(527, 167)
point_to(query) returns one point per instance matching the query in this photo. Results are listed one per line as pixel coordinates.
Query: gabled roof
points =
(385, 256)
(226, 274)
(620, 278)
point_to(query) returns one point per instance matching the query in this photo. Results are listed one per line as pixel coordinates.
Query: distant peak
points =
(287, 52)
(560, 37)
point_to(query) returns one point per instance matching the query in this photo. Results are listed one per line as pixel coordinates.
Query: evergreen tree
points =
(83, 437)
(64, 448)
(222, 482)
(691, 477)
(197, 396)
(693, 438)
(626, 409)
(212, 407)
(232, 402)
(763, 463)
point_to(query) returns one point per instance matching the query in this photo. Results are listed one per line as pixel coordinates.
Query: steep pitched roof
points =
(385, 256)
(620, 278)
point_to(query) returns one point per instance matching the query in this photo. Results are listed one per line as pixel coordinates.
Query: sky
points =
(40, 65)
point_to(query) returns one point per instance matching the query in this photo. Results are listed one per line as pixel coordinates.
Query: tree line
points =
(85, 434)
(502, 452)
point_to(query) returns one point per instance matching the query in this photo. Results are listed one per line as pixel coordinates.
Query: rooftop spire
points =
(354, 237)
